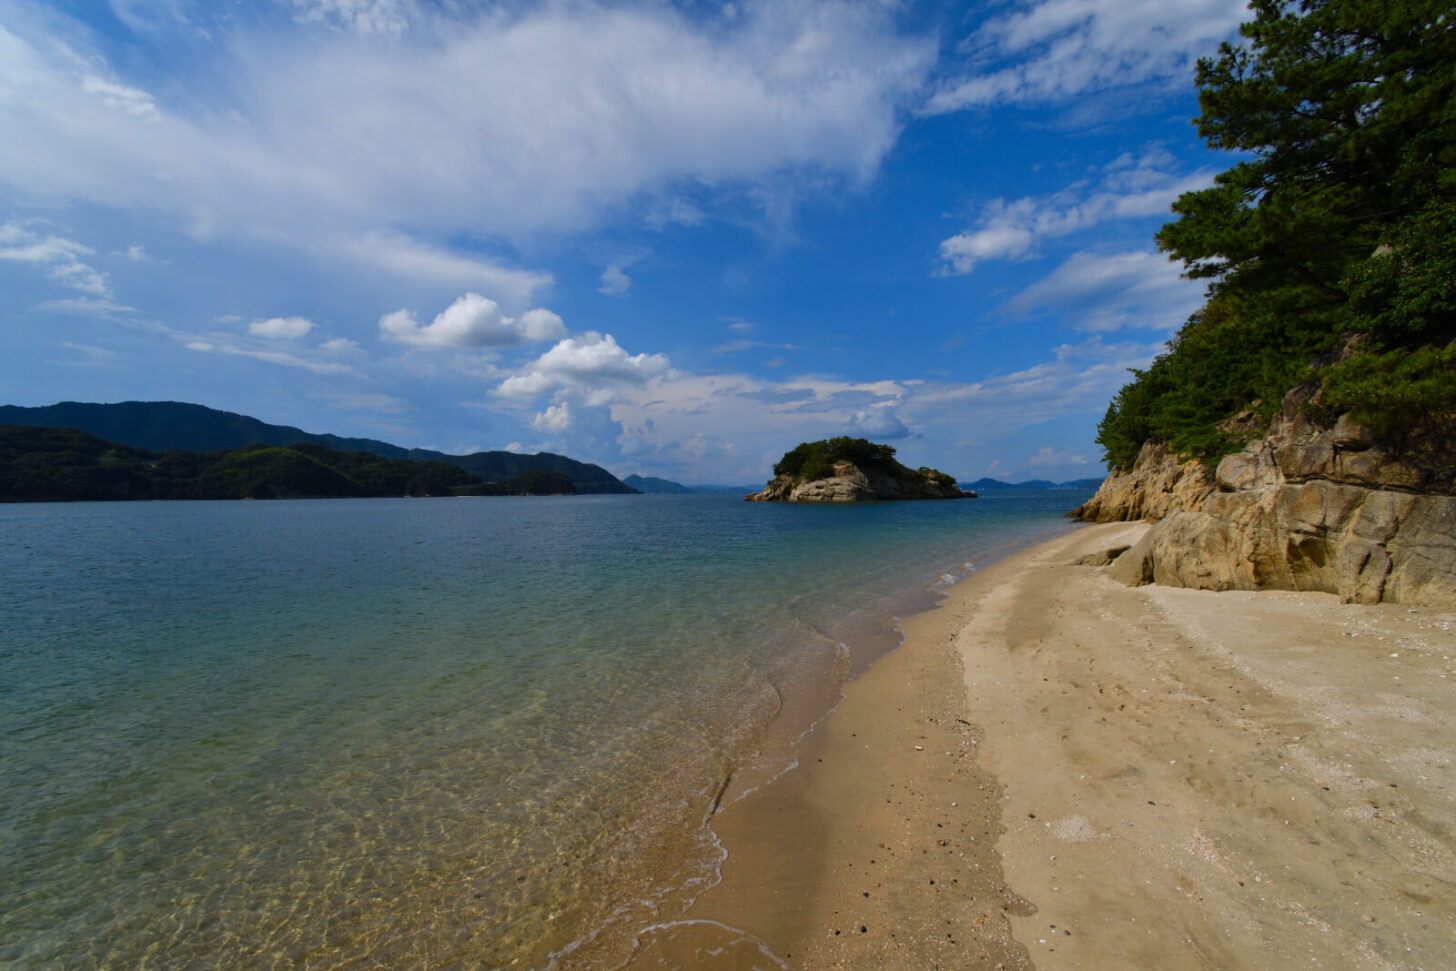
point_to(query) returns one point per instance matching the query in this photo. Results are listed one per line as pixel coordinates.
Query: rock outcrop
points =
(850, 483)
(1156, 486)
(1308, 507)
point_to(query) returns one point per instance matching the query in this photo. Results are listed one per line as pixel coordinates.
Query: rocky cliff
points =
(850, 483)
(1157, 485)
(1307, 507)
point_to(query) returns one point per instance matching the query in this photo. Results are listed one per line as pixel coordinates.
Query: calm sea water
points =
(485, 731)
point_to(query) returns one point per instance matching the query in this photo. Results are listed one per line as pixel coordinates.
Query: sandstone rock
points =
(1100, 559)
(1366, 545)
(849, 483)
(1307, 507)
(1157, 485)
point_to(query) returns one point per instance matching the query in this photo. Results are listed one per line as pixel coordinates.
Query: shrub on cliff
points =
(1341, 218)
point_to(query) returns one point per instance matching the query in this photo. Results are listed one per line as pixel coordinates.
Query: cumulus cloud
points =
(590, 363)
(727, 427)
(471, 321)
(1107, 291)
(1050, 51)
(878, 421)
(281, 328)
(1011, 229)
(554, 420)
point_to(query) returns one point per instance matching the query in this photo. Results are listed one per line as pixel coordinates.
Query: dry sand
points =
(1061, 772)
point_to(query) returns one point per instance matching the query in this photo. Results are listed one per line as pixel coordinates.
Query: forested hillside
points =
(159, 426)
(1329, 247)
(67, 464)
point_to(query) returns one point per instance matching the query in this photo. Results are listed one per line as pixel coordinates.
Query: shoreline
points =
(1059, 771)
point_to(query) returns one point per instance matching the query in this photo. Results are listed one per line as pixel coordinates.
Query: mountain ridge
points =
(160, 426)
(993, 484)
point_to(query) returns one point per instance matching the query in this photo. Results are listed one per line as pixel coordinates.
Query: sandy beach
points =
(1062, 772)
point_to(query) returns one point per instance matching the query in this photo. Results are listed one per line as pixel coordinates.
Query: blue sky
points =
(671, 238)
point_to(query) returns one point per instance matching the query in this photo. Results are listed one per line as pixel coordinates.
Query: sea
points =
(418, 732)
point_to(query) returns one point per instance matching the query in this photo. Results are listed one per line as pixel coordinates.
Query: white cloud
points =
(615, 283)
(79, 276)
(554, 420)
(85, 307)
(730, 427)
(340, 345)
(119, 97)
(62, 257)
(591, 363)
(281, 328)
(413, 260)
(471, 321)
(1011, 229)
(287, 359)
(996, 241)
(347, 134)
(878, 422)
(1048, 456)
(1050, 51)
(1108, 291)
(390, 17)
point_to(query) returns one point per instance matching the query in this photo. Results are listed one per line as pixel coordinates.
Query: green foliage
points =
(937, 476)
(63, 464)
(536, 482)
(815, 460)
(1406, 294)
(1398, 392)
(1341, 218)
(160, 426)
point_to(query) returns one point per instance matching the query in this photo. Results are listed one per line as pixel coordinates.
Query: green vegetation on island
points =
(66, 464)
(852, 470)
(816, 460)
(160, 426)
(1330, 248)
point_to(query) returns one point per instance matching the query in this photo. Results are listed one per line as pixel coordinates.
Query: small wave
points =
(739, 935)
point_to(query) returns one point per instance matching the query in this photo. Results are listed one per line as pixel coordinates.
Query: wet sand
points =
(1061, 772)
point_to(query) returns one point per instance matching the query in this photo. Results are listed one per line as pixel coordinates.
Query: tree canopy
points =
(1339, 218)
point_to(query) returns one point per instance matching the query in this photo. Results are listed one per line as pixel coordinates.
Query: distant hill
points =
(41, 464)
(158, 426)
(655, 486)
(991, 485)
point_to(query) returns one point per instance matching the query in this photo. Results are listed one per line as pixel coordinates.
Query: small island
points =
(847, 469)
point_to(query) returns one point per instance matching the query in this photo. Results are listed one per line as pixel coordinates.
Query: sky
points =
(675, 239)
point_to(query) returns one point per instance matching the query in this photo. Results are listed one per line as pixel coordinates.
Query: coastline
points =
(1060, 771)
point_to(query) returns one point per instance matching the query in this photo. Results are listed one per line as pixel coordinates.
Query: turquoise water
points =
(484, 731)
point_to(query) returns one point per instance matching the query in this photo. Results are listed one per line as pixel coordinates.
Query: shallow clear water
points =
(485, 731)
